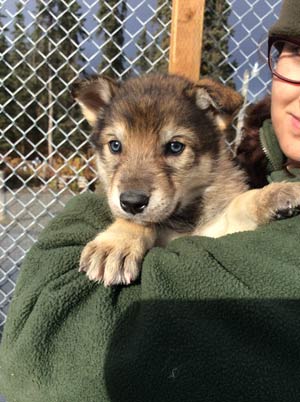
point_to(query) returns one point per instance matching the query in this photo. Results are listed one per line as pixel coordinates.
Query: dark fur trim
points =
(250, 156)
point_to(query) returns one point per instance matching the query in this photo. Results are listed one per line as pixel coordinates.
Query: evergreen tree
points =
(159, 51)
(5, 95)
(155, 55)
(215, 39)
(3, 49)
(21, 107)
(144, 60)
(112, 14)
(58, 32)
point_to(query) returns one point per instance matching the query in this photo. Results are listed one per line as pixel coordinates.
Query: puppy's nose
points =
(134, 201)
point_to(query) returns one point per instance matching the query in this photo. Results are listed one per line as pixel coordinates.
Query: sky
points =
(248, 44)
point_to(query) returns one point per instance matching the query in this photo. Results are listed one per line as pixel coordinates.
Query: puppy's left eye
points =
(115, 147)
(174, 148)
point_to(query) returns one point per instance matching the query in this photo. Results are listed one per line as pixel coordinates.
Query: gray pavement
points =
(27, 212)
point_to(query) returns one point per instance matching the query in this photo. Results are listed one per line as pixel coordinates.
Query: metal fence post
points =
(3, 216)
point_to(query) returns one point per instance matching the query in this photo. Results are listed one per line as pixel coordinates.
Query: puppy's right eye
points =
(174, 148)
(115, 147)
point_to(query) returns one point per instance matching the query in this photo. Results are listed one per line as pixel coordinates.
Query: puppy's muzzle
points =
(134, 201)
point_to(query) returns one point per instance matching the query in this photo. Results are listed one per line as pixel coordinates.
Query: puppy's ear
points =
(93, 94)
(212, 94)
(222, 101)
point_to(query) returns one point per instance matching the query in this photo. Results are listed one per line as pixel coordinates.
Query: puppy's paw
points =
(288, 212)
(112, 259)
(115, 257)
(278, 201)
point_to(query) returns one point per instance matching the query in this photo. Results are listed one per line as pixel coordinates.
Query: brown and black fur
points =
(198, 190)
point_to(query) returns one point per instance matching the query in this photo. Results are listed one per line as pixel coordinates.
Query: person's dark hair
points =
(250, 155)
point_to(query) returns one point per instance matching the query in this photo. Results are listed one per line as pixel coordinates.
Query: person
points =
(270, 150)
(210, 319)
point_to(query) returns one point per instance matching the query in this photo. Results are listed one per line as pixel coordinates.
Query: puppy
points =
(162, 157)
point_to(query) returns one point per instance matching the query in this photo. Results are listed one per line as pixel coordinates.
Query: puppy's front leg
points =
(115, 256)
(253, 208)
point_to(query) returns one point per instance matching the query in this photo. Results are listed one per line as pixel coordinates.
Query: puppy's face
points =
(156, 141)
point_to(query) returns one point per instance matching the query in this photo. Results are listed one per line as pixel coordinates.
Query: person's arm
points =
(209, 319)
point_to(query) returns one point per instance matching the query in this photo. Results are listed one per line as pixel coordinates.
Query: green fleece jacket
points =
(209, 320)
(276, 171)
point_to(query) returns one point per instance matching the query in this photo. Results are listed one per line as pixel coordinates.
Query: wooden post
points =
(186, 38)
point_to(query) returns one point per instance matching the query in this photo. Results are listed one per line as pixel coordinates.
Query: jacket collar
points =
(276, 159)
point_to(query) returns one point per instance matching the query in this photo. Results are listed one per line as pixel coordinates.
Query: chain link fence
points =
(44, 46)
